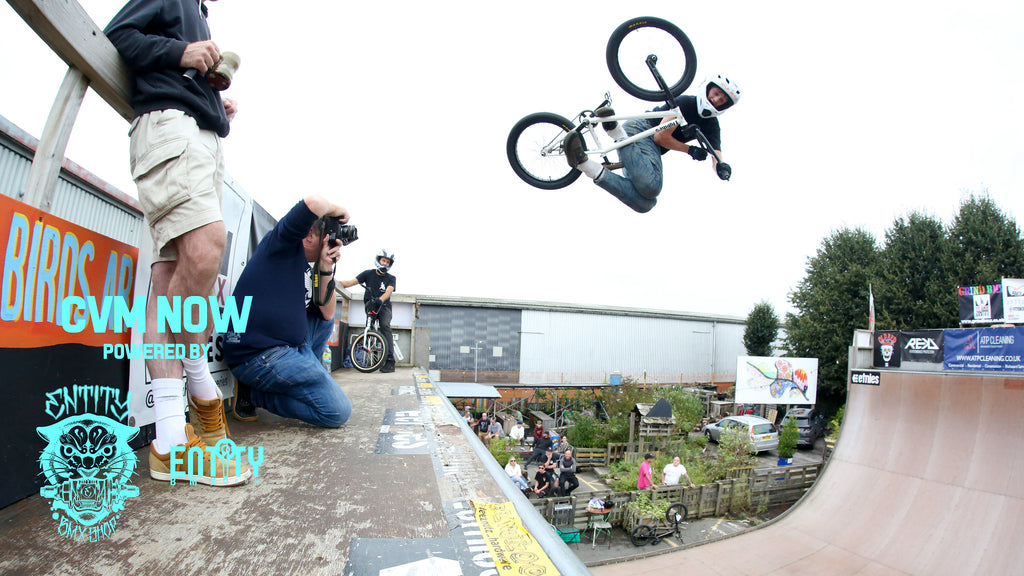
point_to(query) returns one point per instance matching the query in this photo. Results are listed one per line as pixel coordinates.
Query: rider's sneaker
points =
(209, 419)
(604, 112)
(387, 368)
(573, 146)
(242, 407)
(205, 470)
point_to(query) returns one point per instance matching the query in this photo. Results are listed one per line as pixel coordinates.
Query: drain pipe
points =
(567, 563)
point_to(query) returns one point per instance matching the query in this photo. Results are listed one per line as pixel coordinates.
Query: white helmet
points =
(732, 91)
(383, 254)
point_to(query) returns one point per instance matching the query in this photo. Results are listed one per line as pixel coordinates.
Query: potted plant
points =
(787, 442)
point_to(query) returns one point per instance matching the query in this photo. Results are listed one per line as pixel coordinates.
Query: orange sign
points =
(46, 259)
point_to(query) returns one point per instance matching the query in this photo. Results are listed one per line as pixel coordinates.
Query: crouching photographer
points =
(290, 277)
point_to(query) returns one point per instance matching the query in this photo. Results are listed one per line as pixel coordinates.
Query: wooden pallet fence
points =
(782, 485)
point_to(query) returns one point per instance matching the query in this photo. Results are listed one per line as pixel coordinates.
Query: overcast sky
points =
(853, 114)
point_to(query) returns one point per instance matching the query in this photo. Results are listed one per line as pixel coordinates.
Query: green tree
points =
(985, 245)
(914, 289)
(762, 329)
(831, 302)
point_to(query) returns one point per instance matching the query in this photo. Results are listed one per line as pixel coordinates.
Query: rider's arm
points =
(665, 139)
(348, 283)
(387, 294)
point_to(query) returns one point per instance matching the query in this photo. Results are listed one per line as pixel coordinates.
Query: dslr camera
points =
(335, 231)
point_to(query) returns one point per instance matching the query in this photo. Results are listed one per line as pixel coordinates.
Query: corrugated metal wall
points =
(584, 347)
(455, 330)
(75, 200)
(567, 347)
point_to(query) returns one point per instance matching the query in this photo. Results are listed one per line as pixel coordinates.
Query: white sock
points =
(618, 132)
(591, 168)
(200, 383)
(169, 405)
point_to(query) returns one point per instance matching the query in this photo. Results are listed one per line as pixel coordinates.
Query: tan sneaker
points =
(212, 472)
(209, 420)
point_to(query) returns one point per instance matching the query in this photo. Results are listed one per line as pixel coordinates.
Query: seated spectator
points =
(482, 426)
(516, 473)
(538, 432)
(494, 431)
(542, 483)
(540, 445)
(517, 433)
(567, 481)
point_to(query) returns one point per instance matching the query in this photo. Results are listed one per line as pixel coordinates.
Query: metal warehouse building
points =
(539, 343)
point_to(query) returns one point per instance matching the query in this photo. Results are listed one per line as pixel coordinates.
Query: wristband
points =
(322, 273)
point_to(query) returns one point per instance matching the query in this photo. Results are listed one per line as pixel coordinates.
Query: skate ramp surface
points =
(927, 478)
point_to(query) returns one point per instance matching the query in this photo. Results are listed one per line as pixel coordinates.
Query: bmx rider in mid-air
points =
(641, 160)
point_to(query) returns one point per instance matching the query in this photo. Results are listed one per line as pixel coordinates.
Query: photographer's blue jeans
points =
(292, 382)
(641, 161)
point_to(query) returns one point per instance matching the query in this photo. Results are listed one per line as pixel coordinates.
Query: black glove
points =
(697, 153)
(377, 303)
(724, 170)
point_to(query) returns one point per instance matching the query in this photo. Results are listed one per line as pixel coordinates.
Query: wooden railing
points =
(758, 487)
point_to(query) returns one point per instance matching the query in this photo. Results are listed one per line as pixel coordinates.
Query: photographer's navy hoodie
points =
(151, 36)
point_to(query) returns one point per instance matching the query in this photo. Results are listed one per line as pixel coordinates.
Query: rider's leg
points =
(384, 318)
(641, 160)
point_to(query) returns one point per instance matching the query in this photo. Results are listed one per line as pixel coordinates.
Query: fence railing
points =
(758, 487)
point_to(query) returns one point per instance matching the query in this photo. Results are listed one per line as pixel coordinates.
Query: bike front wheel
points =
(676, 513)
(368, 351)
(534, 150)
(633, 41)
(642, 535)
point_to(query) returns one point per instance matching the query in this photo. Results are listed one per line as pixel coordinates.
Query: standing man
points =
(567, 474)
(278, 354)
(378, 286)
(673, 472)
(483, 425)
(177, 163)
(645, 479)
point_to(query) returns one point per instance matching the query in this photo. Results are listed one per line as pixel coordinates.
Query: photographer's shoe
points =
(209, 419)
(604, 112)
(242, 407)
(205, 469)
(575, 154)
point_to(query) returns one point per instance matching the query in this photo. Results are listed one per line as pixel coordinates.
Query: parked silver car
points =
(762, 433)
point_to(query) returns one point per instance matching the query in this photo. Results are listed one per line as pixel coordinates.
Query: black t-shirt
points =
(376, 285)
(688, 106)
(482, 425)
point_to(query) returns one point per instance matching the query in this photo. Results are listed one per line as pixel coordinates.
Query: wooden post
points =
(45, 170)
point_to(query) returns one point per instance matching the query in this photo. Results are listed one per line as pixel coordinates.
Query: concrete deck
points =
(391, 487)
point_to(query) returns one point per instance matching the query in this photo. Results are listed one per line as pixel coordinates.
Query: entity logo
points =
(88, 465)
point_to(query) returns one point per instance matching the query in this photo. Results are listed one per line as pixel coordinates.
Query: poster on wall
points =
(767, 380)
(921, 346)
(1013, 300)
(984, 349)
(980, 304)
(886, 349)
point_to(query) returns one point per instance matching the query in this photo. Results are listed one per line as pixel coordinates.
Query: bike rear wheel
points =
(634, 40)
(642, 535)
(368, 351)
(534, 150)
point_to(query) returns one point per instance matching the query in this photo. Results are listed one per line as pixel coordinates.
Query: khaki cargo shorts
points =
(179, 171)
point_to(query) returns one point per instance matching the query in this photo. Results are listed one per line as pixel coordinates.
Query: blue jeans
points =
(293, 383)
(641, 160)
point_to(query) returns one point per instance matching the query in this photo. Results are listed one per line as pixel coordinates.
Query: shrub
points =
(788, 438)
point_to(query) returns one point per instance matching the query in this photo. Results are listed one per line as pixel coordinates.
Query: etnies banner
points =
(47, 259)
